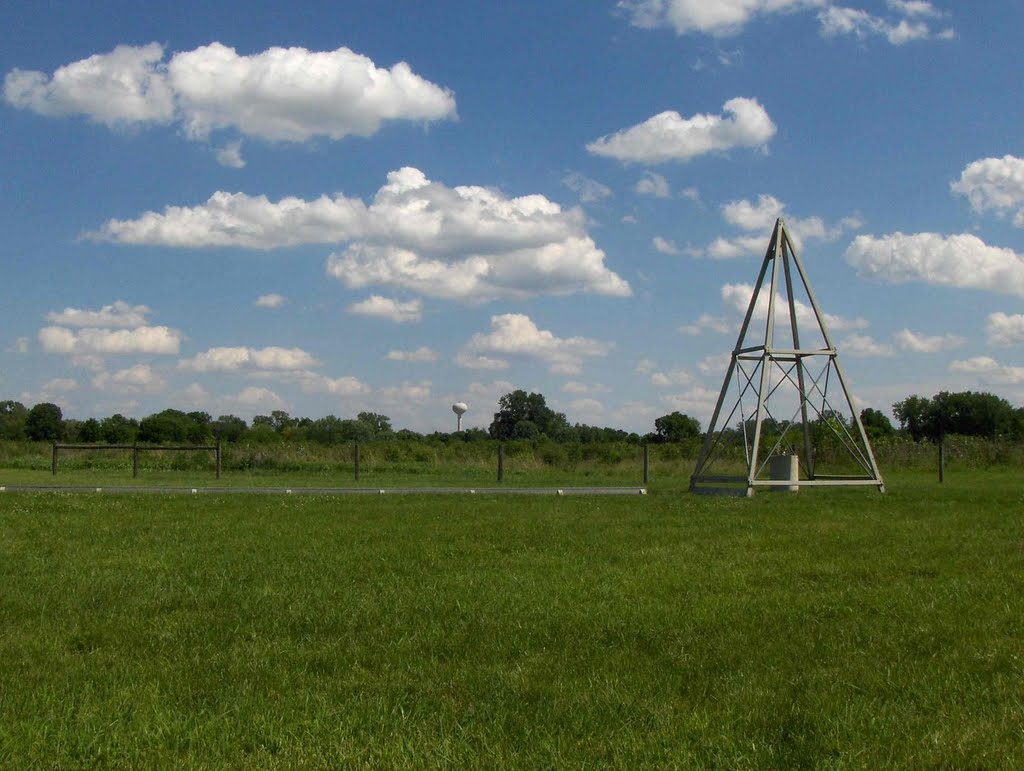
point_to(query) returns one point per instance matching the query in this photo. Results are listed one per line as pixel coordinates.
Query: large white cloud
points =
(514, 334)
(117, 314)
(958, 261)
(91, 341)
(293, 94)
(233, 359)
(281, 94)
(669, 136)
(722, 18)
(469, 243)
(994, 184)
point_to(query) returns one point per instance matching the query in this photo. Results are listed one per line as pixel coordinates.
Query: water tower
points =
(459, 408)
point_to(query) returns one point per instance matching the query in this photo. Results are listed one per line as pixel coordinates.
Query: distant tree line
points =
(520, 415)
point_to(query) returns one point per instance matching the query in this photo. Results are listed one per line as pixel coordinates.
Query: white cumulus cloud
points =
(1005, 328)
(92, 341)
(388, 308)
(338, 386)
(137, 379)
(231, 155)
(127, 85)
(653, 184)
(473, 244)
(988, 370)
(272, 300)
(474, 361)
(233, 359)
(757, 219)
(405, 393)
(664, 245)
(737, 297)
(237, 219)
(117, 314)
(707, 323)
(676, 377)
(994, 184)
(723, 18)
(907, 340)
(839, 20)
(468, 243)
(256, 398)
(589, 190)
(720, 18)
(281, 94)
(514, 334)
(669, 136)
(865, 346)
(423, 353)
(963, 261)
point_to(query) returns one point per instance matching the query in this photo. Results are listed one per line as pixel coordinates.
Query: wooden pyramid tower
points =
(792, 422)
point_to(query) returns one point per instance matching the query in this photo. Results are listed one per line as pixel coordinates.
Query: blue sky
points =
(396, 205)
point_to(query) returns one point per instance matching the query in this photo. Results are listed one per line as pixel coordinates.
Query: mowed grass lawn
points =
(833, 628)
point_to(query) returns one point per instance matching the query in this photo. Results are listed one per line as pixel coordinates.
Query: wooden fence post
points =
(647, 461)
(356, 461)
(53, 463)
(218, 459)
(942, 461)
(135, 461)
(501, 463)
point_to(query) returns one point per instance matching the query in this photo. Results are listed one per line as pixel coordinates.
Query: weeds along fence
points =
(412, 459)
(135, 450)
(408, 459)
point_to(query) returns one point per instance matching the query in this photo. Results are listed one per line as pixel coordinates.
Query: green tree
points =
(327, 430)
(280, 421)
(89, 431)
(676, 427)
(913, 415)
(173, 427)
(876, 425)
(519, 406)
(380, 425)
(967, 413)
(117, 429)
(200, 418)
(12, 420)
(44, 423)
(229, 428)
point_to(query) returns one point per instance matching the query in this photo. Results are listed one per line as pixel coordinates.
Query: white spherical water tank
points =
(459, 408)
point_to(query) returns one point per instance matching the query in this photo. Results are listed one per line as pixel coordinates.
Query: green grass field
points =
(832, 628)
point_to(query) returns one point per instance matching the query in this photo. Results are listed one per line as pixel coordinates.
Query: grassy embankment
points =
(837, 628)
